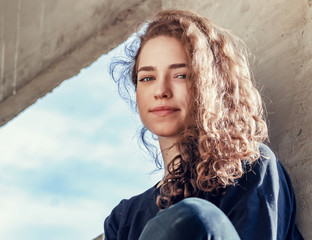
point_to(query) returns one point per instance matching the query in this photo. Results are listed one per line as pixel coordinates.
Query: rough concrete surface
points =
(44, 42)
(69, 35)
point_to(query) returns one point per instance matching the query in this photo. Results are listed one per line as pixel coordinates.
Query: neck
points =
(168, 150)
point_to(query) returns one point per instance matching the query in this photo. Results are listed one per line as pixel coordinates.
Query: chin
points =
(168, 130)
(167, 134)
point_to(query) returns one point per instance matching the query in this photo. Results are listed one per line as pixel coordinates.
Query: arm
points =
(111, 223)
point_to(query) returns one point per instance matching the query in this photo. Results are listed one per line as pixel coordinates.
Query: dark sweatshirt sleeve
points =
(111, 223)
(262, 204)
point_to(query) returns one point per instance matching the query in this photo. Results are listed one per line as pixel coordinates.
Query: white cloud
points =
(20, 209)
(41, 134)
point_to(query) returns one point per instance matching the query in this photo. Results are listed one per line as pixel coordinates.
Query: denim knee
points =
(176, 222)
(191, 218)
(202, 209)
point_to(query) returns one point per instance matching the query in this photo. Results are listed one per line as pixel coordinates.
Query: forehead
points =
(162, 50)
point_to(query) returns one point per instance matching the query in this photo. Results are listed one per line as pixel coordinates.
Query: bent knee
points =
(198, 205)
(202, 210)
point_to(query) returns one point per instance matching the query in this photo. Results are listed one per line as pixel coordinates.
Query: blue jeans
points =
(191, 219)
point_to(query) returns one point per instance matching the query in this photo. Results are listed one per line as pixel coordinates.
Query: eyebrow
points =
(177, 65)
(172, 66)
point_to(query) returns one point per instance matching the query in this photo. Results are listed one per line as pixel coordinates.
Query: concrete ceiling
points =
(44, 42)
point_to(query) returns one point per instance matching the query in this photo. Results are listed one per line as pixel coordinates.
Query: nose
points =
(163, 89)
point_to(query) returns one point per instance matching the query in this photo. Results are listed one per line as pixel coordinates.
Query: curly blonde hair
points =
(226, 118)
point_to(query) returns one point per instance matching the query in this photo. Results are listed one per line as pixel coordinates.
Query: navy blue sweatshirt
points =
(261, 205)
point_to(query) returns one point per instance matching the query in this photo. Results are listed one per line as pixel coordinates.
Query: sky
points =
(67, 160)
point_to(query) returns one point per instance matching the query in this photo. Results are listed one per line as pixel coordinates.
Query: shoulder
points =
(139, 201)
(267, 159)
(259, 181)
(267, 173)
(263, 198)
(266, 176)
(130, 204)
(265, 167)
(120, 221)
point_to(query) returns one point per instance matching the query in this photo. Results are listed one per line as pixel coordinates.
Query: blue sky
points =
(67, 160)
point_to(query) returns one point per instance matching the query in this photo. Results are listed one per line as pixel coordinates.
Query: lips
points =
(164, 110)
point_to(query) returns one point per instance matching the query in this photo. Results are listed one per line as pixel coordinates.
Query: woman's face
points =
(163, 86)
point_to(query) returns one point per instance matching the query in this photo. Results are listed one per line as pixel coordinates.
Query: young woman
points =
(195, 93)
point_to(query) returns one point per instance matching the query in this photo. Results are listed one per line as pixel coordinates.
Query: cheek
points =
(185, 96)
(140, 102)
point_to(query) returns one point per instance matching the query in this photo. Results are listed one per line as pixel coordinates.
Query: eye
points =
(146, 79)
(181, 76)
